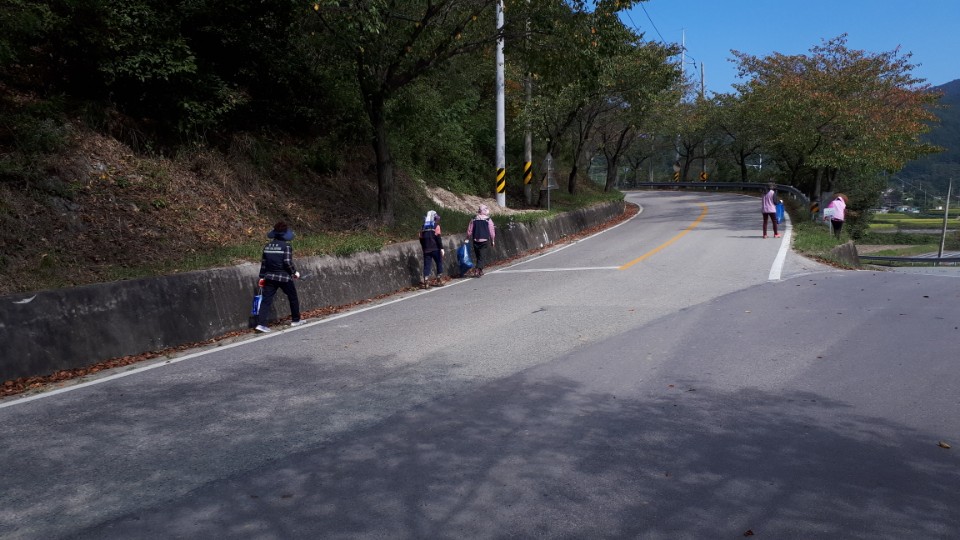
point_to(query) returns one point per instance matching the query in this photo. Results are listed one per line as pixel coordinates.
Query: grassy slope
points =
(106, 213)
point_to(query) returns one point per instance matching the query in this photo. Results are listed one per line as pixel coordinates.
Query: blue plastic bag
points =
(257, 300)
(780, 212)
(463, 257)
(253, 320)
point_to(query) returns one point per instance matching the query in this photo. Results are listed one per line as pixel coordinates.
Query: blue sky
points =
(930, 29)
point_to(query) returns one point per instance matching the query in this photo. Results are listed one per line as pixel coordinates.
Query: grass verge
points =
(344, 244)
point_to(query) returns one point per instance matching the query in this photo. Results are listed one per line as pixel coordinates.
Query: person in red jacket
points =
(482, 232)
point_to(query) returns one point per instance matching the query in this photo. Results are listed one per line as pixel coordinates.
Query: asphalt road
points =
(674, 377)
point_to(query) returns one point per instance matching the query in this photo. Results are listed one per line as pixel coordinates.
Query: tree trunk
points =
(611, 173)
(818, 184)
(572, 179)
(381, 146)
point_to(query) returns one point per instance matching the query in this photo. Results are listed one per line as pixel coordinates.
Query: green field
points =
(907, 221)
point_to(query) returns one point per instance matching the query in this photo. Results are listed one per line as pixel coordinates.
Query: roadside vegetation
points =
(814, 239)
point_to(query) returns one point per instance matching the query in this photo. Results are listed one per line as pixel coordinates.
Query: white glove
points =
(442, 252)
(296, 275)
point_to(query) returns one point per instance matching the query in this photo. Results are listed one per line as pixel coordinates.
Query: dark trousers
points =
(434, 257)
(837, 225)
(269, 290)
(772, 216)
(478, 249)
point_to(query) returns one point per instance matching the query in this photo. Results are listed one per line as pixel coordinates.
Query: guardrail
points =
(738, 186)
(926, 260)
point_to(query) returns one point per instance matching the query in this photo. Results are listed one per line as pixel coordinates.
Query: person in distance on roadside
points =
(482, 232)
(431, 243)
(277, 271)
(770, 209)
(839, 206)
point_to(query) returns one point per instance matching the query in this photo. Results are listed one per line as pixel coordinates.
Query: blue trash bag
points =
(252, 321)
(463, 257)
(257, 300)
(780, 212)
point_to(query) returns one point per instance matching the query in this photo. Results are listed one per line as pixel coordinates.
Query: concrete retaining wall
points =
(48, 331)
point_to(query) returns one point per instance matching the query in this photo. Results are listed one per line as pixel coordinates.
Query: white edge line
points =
(571, 244)
(161, 363)
(777, 269)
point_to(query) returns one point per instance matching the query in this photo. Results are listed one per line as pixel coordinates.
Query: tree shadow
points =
(542, 456)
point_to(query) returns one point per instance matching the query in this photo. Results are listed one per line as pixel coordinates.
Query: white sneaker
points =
(262, 329)
(296, 323)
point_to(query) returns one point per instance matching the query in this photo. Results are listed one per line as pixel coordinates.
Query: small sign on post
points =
(549, 178)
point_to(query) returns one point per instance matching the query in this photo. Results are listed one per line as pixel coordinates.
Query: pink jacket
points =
(839, 209)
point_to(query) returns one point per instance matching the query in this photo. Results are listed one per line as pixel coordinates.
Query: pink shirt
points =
(770, 202)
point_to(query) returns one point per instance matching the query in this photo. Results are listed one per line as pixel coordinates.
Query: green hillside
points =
(934, 171)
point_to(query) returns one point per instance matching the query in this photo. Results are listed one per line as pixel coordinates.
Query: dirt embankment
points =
(102, 208)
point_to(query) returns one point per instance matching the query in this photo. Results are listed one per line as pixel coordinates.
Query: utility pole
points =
(946, 216)
(501, 115)
(683, 83)
(703, 147)
(528, 136)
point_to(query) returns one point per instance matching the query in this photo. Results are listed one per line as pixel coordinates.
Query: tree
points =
(589, 70)
(838, 110)
(644, 84)
(743, 136)
(390, 45)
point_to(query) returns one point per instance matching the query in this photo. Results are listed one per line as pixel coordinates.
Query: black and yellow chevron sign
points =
(527, 172)
(501, 180)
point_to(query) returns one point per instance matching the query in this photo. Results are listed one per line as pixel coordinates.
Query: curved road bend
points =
(675, 376)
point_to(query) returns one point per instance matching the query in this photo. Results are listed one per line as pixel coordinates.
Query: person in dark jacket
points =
(483, 233)
(431, 243)
(278, 272)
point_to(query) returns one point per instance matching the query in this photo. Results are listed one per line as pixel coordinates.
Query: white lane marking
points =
(571, 244)
(777, 269)
(534, 270)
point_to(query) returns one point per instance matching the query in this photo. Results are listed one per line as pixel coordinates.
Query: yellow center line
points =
(703, 214)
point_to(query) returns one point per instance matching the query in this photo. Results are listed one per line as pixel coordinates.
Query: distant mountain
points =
(934, 171)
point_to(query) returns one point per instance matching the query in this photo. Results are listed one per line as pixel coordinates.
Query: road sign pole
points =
(946, 216)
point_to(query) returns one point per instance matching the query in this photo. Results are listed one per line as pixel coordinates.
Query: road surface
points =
(676, 376)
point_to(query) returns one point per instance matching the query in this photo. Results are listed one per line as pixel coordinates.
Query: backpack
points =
(481, 230)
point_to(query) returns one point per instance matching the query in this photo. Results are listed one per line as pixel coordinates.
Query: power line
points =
(692, 61)
(644, 8)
